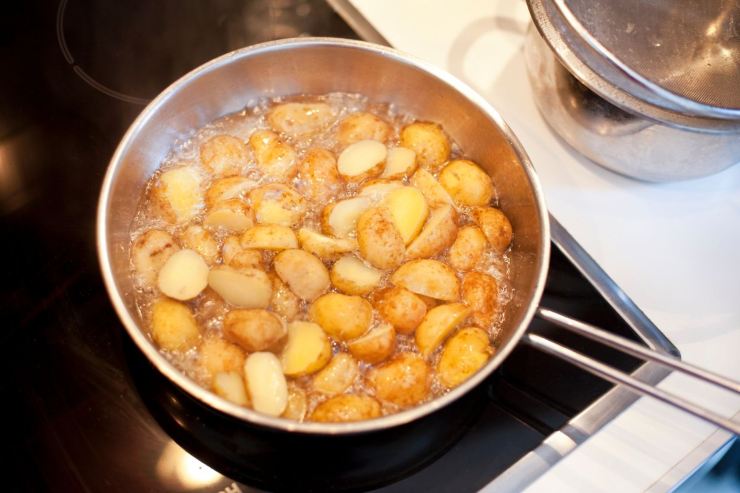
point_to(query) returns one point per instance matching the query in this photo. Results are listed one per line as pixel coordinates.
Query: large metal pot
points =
(317, 66)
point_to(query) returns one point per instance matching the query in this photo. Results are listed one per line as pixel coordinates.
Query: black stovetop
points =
(84, 410)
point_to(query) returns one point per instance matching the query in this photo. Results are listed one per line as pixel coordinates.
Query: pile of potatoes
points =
(360, 317)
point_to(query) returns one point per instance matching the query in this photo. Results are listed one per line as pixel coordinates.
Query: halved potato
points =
(408, 210)
(254, 330)
(297, 403)
(400, 163)
(245, 288)
(177, 194)
(230, 386)
(466, 183)
(345, 408)
(269, 237)
(401, 307)
(340, 218)
(266, 384)
(435, 193)
(308, 349)
(404, 380)
(439, 233)
(318, 178)
(351, 276)
(495, 226)
(232, 215)
(232, 187)
(183, 276)
(278, 204)
(439, 323)
(236, 257)
(275, 159)
(304, 273)
(284, 302)
(151, 251)
(375, 346)
(337, 376)
(463, 354)
(201, 241)
(224, 155)
(429, 278)
(380, 242)
(325, 247)
(217, 355)
(480, 293)
(362, 126)
(468, 249)
(428, 141)
(300, 120)
(342, 317)
(173, 326)
(362, 160)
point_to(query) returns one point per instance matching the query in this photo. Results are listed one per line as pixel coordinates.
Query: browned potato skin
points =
(275, 158)
(404, 380)
(283, 302)
(318, 178)
(345, 408)
(337, 376)
(217, 355)
(428, 141)
(300, 119)
(439, 233)
(289, 201)
(151, 251)
(342, 317)
(232, 187)
(466, 183)
(379, 241)
(297, 403)
(254, 329)
(305, 275)
(173, 325)
(463, 354)
(401, 308)
(362, 126)
(480, 293)
(224, 155)
(428, 277)
(495, 225)
(201, 240)
(468, 248)
(375, 346)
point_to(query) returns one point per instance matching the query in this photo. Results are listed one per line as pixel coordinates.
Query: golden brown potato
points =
(297, 403)
(200, 240)
(224, 155)
(435, 193)
(337, 376)
(362, 126)
(480, 293)
(428, 141)
(269, 237)
(403, 381)
(304, 273)
(217, 355)
(362, 160)
(275, 159)
(340, 218)
(375, 346)
(318, 178)
(342, 317)
(177, 194)
(408, 210)
(244, 288)
(401, 307)
(236, 257)
(495, 225)
(429, 278)
(254, 330)
(301, 119)
(468, 249)
(278, 204)
(345, 408)
(173, 326)
(230, 385)
(283, 302)
(351, 276)
(439, 233)
(231, 215)
(183, 276)
(266, 385)
(232, 187)
(380, 242)
(325, 247)
(463, 354)
(466, 183)
(399, 163)
(150, 252)
(308, 349)
(439, 323)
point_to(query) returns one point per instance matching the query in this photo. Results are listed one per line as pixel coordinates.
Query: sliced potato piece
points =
(466, 182)
(224, 155)
(275, 159)
(178, 194)
(230, 386)
(400, 163)
(173, 326)
(151, 251)
(468, 249)
(238, 258)
(351, 276)
(337, 376)
(183, 276)
(342, 317)
(278, 204)
(231, 215)
(232, 187)
(201, 241)
(297, 403)
(480, 293)
(318, 178)
(245, 288)
(362, 126)
(266, 384)
(345, 408)
(340, 219)
(269, 237)
(304, 273)
(429, 278)
(439, 323)
(404, 380)
(301, 119)
(378, 190)
(255, 329)
(380, 242)
(375, 346)
(284, 302)
(439, 233)
(217, 355)
(495, 225)
(308, 349)
(401, 307)
(435, 193)
(325, 247)
(408, 210)
(428, 141)
(463, 354)
(362, 160)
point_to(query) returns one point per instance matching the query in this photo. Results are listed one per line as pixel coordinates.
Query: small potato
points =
(439, 323)
(269, 237)
(178, 195)
(232, 187)
(480, 293)
(216, 355)
(342, 317)
(308, 349)
(304, 273)
(183, 276)
(318, 178)
(254, 330)
(428, 141)
(224, 155)
(198, 239)
(297, 403)
(150, 252)
(375, 346)
(301, 119)
(495, 226)
(435, 193)
(403, 381)
(236, 257)
(463, 354)
(173, 326)
(408, 210)
(351, 276)
(266, 385)
(466, 183)
(345, 408)
(399, 163)
(283, 302)
(429, 278)
(439, 233)
(278, 204)
(362, 126)
(274, 158)
(232, 215)
(468, 249)
(362, 160)
(230, 386)
(325, 247)
(380, 242)
(340, 219)
(402, 308)
(245, 288)
(378, 190)
(337, 376)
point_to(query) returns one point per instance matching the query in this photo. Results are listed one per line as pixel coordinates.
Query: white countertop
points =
(673, 248)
